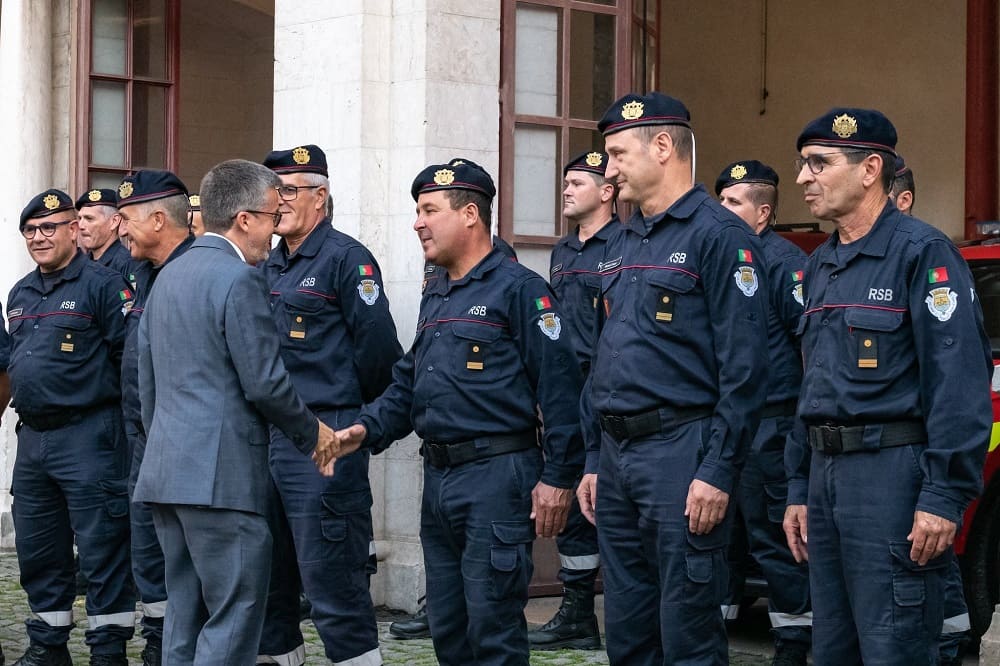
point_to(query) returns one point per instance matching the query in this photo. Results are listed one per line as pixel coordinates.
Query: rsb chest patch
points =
(368, 290)
(942, 302)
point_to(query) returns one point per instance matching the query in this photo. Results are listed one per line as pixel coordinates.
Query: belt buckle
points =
(830, 439)
(615, 425)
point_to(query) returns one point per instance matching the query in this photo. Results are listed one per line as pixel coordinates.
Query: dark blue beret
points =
(149, 185)
(747, 171)
(45, 204)
(634, 110)
(900, 166)
(309, 158)
(841, 127)
(97, 198)
(457, 174)
(593, 161)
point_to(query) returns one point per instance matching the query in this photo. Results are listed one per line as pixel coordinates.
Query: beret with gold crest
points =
(97, 197)
(149, 185)
(634, 110)
(45, 204)
(844, 127)
(593, 161)
(457, 174)
(747, 171)
(309, 158)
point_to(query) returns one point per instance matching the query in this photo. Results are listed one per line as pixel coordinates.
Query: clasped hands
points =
(331, 445)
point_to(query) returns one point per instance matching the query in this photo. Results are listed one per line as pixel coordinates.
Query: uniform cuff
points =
(593, 462)
(559, 476)
(940, 505)
(716, 475)
(798, 491)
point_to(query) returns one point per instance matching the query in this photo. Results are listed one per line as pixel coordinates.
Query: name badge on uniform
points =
(867, 351)
(664, 306)
(298, 331)
(474, 358)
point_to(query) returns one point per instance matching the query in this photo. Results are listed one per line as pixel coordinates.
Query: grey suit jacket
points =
(210, 380)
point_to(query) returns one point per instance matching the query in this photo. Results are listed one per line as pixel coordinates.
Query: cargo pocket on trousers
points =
(915, 591)
(115, 497)
(335, 523)
(776, 497)
(509, 562)
(706, 571)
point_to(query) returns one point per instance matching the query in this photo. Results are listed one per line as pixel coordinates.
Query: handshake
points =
(331, 445)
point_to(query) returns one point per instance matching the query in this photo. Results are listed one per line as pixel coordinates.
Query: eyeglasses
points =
(817, 161)
(275, 216)
(48, 229)
(290, 192)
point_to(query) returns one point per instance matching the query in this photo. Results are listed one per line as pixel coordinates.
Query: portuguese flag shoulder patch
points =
(543, 303)
(936, 275)
(746, 256)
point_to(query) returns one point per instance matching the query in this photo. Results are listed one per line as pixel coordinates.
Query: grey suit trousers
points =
(217, 570)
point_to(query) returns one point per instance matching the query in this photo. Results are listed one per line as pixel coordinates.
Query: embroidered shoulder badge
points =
(942, 303)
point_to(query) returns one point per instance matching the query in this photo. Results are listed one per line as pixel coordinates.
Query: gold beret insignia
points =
(94, 195)
(632, 110)
(50, 201)
(125, 190)
(444, 177)
(300, 155)
(594, 159)
(738, 172)
(845, 126)
(194, 200)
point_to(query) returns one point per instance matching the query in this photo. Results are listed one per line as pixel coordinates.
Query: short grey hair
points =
(230, 187)
(175, 207)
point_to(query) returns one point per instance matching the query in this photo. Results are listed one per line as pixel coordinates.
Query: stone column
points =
(26, 143)
(386, 87)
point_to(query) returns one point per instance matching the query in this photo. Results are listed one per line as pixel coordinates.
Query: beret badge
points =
(594, 159)
(444, 177)
(125, 190)
(50, 202)
(738, 172)
(194, 200)
(300, 155)
(845, 126)
(94, 195)
(632, 110)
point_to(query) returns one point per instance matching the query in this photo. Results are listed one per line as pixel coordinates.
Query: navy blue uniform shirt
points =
(489, 352)
(576, 282)
(145, 275)
(328, 302)
(683, 323)
(67, 338)
(785, 269)
(118, 259)
(892, 330)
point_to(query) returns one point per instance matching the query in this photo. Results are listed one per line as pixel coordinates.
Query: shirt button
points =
(634, 278)
(614, 354)
(446, 298)
(614, 394)
(814, 403)
(833, 276)
(430, 368)
(27, 353)
(645, 241)
(437, 334)
(819, 364)
(45, 298)
(826, 322)
(35, 326)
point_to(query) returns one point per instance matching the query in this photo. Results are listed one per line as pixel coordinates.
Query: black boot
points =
(108, 660)
(790, 653)
(44, 655)
(415, 627)
(574, 625)
(151, 654)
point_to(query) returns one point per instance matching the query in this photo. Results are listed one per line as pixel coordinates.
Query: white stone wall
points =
(386, 87)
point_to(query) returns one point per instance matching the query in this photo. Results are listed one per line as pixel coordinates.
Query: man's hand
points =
(326, 449)
(796, 531)
(586, 494)
(549, 508)
(931, 535)
(705, 507)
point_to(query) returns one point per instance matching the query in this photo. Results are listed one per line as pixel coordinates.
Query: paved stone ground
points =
(14, 608)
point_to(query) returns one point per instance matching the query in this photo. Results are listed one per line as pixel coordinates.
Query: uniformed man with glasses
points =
(67, 329)
(339, 344)
(896, 400)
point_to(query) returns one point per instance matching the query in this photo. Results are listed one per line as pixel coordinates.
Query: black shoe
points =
(574, 625)
(108, 660)
(416, 627)
(151, 653)
(45, 655)
(790, 654)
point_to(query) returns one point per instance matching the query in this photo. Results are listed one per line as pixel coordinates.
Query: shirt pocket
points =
(73, 338)
(666, 304)
(302, 320)
(875, 345)
(477, 357)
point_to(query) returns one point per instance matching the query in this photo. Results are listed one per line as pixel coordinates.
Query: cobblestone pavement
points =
(14, 609)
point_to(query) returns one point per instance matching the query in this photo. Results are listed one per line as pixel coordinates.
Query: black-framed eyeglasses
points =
(275, 216)
(48, 229)
(817, 161)
(290, 192)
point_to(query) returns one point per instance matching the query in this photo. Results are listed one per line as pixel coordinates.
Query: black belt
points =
(835, 439)
(56, 420)
(449, 455)
(784, 408)
(651, 422)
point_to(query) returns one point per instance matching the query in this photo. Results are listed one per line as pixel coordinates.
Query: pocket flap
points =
(344, 503)
(300, 302)
(484, 332)
(673, 280)
(72, 322)
(873, 320)
(900, 551)
(714, 540)
(514, 531)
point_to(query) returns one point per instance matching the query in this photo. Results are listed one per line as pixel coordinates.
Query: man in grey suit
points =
(210, 380)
